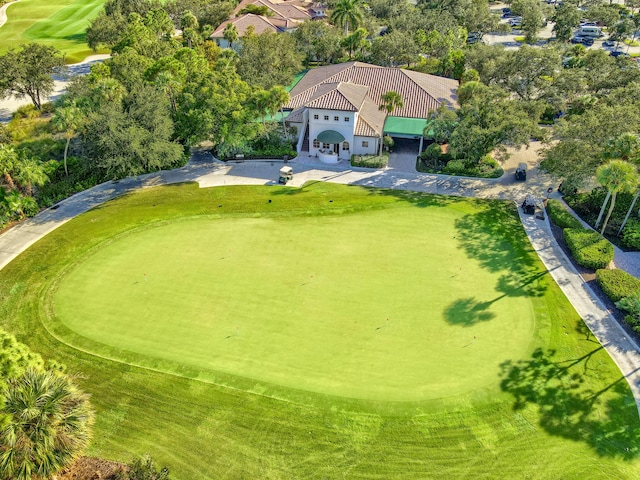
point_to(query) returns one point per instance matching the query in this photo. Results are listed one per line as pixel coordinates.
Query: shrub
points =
(27, 111)
(488, 167)
(370, 161)
(617, 284)
(455, 167)
(588, 248)
(560, 216)
(631, 234)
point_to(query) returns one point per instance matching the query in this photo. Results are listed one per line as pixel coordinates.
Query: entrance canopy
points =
(404, 127)
(330, 136)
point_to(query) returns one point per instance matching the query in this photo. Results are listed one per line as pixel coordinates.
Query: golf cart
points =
(286, 174)
(521, 172)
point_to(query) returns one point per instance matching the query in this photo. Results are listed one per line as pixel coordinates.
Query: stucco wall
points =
(319, 125)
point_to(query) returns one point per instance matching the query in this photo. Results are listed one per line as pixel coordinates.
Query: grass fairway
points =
(59, 23)
(263, 327)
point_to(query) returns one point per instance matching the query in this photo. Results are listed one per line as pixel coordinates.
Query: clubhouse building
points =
(336, 108)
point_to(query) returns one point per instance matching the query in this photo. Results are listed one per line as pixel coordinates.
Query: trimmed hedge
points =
(617, 284)
(631, 234)
(560, 216)
(370, 161)
(588, 248)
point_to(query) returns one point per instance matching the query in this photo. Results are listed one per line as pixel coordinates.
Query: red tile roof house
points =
(336, 108)
(284, 16)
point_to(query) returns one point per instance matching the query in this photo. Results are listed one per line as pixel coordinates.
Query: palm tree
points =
(31, 173)
(8, 165)
(616, 176)
(390, 101)
(68, 120)
(279, 98)
(230, 33)
(347, 12)
(49, 425)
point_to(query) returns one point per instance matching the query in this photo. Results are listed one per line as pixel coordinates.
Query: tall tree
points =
(389, 101)
(68, 121)
(268, 59)
(29, 71)
(230, 33)
(616, 176)
(49, 425)
(318, 41)
(566, 18)
(347, 13)
(532, 17)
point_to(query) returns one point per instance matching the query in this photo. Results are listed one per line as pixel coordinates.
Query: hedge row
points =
(617, 284)
(370, 161)
(561, 216)
(588, 248)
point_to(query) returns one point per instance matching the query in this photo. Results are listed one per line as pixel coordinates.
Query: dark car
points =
(577, 39)
(474, 37)
(506, 10)
(587, 41)
(618, 53)
(521, 172)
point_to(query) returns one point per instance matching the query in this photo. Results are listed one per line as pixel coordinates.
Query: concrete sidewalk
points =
(622, 349)
(208, 172)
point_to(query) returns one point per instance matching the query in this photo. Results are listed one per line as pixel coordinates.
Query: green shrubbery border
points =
(560, 216)
(588, 248)
(617, 284)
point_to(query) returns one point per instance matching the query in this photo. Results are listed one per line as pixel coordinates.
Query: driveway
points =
(404, 154)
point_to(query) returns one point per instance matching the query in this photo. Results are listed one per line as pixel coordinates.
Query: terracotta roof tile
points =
(421, 93)
(242, 23)
(370, 120)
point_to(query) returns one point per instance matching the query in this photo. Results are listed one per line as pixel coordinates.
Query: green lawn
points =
(59, 23)
(279, 309)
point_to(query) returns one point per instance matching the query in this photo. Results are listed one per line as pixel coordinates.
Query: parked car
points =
(474, 37)
(587, 41)
(619, 53)
(506, 10)
(577, 39)
(516, 22)
(608, 43)
(521, 172)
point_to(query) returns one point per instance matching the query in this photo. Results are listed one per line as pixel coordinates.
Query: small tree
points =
(616, 176)
(28, 72)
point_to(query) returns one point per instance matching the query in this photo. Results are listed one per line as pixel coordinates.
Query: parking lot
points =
(509, 39)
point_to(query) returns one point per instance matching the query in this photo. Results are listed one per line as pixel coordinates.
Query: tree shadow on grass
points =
(574, 403)
(468, 311)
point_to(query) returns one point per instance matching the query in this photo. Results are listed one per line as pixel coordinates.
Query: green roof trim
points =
(330, 136)
(404, 126)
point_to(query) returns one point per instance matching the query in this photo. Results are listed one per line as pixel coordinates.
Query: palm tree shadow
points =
(468, 312)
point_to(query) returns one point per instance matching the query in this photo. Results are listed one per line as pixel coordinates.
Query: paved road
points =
(208, 172)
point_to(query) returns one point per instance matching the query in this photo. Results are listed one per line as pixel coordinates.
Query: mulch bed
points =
(92, 468)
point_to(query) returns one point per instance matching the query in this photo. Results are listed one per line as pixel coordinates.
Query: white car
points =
(515, 22)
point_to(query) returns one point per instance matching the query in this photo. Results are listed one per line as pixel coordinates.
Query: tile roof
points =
(242, 23)
(420, 92)
(370, 120)
(280, 9)
(343, 96)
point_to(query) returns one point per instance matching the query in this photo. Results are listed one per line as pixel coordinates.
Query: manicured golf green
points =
(316, 303)
(222, 330)
(59, 23)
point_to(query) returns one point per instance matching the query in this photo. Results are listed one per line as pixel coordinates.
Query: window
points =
(346, 119)
(345, 145)
(336, 118)
(316, 143)
(326, 117)
(315, 117)
(365, 144)
(326, 145)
